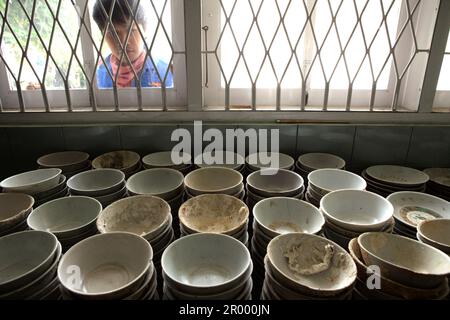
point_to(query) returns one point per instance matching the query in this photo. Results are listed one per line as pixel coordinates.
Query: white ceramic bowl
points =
(145, 216)
(311, 268)
(436, 233)
(24, 256)
(404, 260)
(14, 209)
(327, 180)
(258, 161)
(356, 210)
(286, 215)
(32, 182)
(213, 180)
(67, 161)
(411, 208)
(109, 266)
(397, 175)
(205, 263)
(65, 217)
(256, 197)
(97, 182)
(161, 182)
(315, 161)
(107, 199)
(281, 183)
(123, 160)
(164, 160)
(223, 159)
(215, 213)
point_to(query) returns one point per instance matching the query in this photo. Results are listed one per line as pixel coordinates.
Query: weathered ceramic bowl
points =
(258, 161)
(436, 233)
(164, 160)
(213, 180)
(223, 159)
(160, 182)
(95, 183)
(397, 175)
(125, 161)
(281, 183)
(324, 181)
(315, 161)
(67, 161)
(53, 191)
(32, 182)
(14, 209)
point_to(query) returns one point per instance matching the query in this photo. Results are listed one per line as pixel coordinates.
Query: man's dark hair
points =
(122, 12)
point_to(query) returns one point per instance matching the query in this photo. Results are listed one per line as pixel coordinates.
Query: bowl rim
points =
(83, 155)
(174, 172)
(25, 196)
(93, 171)
(312, 175)
(305, 166)
(397, 266)
(65, 199)
(206, 235)
(131, 166)
(130, 283)
(420, 232)
(287, 199)
(285, 171)
(280, 154)
(162, 165)
(350, 223)
(228, 170)
(55, 172)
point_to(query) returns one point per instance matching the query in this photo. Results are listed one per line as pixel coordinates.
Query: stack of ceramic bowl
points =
(301, 266)
(265, 160)
(207, 266)
(223, 159)
(146, 216)
(164, 159)
(349, 213)
(113, 266)
(70, 162)
(411, 208)
(268, 183)
(385, 180)
(275, 216)
(14, 210)
(435, 233)
(105, 185)
(70, 219)
(309, 162)
(43, 185)
(215, 213)
(404, 268)
(324, 181)
(28, 263)
(128, 162)
(439, 183)
(214, 180)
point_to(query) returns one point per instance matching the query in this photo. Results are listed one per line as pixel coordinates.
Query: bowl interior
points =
(30, 178)
(155, 181)
(436, 230)
(117, 160)
(94, 180)
(12, 204)
(281, 181)
(213, 179)
(335, 179)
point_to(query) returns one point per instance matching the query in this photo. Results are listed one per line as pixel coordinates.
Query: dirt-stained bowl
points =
(436, 233)
(14, 209)
(167, 159)
(213, 180)
(123, 160)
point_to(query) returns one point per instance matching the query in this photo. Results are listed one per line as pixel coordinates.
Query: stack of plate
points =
(275, 216)
(70, 219)
(207, 266)
(309, 162)
(435, 233)
(324, 181)
(411, 208)
(114, 266)
(145, 216)
(268, 183)
(302, 266)
(164, 159)
(349, 213)
(214, 180)
(105, 185)
(128, 162)
(439, 183)
(14, 211)
(265, 160)
(404, 268)
(215, 213)
(222, 159)
(386, 180)
(70, 162)
(28, 263)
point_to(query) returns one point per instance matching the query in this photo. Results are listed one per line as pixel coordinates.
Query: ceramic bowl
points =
(106, 266)
(161, 182)
(14, 209)
(258, 198)
(324, 181)
(411, 208)
(404, 260)
(126, 161)
(164, 160)
(436, 233)
(311, 264)
(258, 161)
(53, 191)
(267, 183)
(315, 161)
(224, 159)
(286, 215)
(356, 210)
(213, 180)
(214, 213)
(32, 182)
(108, 199)
(24, 256)
(397, 175)
(145, 216)
(65, 217)
(67, 161)
(97, 182)
(206, 263)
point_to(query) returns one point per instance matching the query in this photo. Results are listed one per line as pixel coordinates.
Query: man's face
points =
(135, 43)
